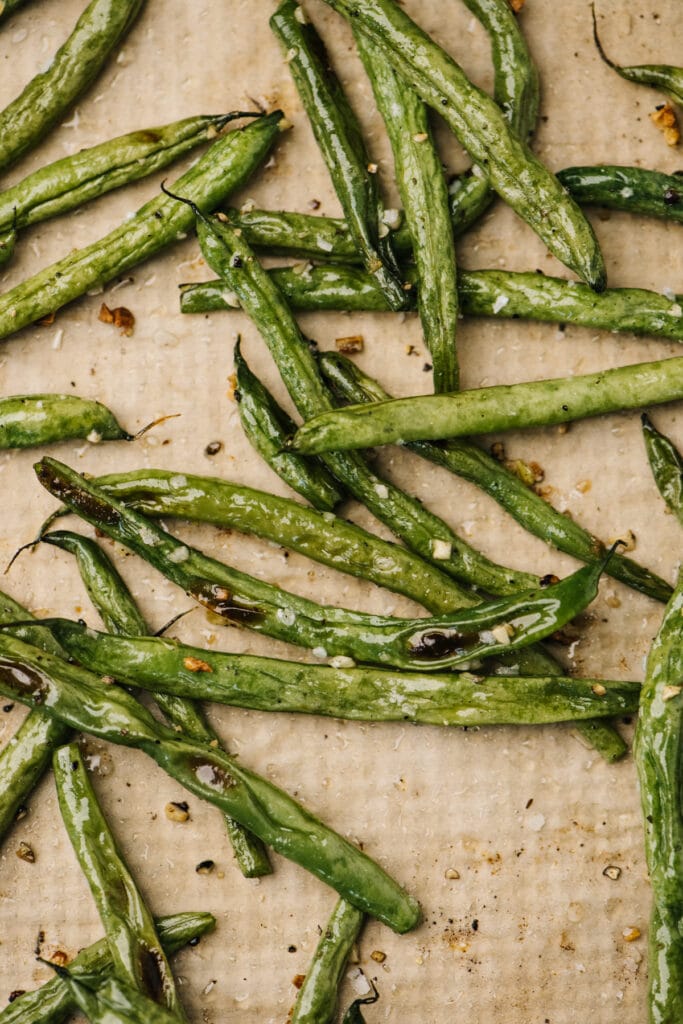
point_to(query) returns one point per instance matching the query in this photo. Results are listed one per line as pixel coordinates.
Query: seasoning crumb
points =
(420, 137)
(120, 317)
(664, 118)
(373, 168)
(613, 872)
(213, 447)
(630, 934)
(353, 343)
(177, 811)
(26, 852)
(205, 867)
(298, 980)
(584, 486)
(441, 549)
(598, 689)
(669, 692)
(378, 956)
(15, 994)
(196, 665)
(451, 873)
(626, 541)
(612, 601)
(232, 389)
(517, 5)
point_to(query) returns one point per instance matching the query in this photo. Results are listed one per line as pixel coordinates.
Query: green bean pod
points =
(467, 460)
(30, 420)
(305, 235)
(423, 192)
(633, 189)
(224, 167)
(77, 63)
(9, 6)
(498, 408)
(666, 464)
(501, 293)
(267, 426)
(136, 951)
(81, 700)
(514, 172)
(52, 1002)
(340, 140)
(67, 184)
(112, 1001)
(664, 77)
(449, 699)
(505, 624)
(121, 616)
(316, 1001)
(658, 745)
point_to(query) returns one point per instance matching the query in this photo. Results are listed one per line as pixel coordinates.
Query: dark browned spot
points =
(436, 644)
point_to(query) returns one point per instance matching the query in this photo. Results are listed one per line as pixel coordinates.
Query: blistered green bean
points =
(112, 1001)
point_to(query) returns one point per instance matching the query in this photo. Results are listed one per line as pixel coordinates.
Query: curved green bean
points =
(267, 425)
(76, 64)
(664, 77)
(121, 616)
(136, 951)
(456, 699)
(633, 189)
(486, 410)
(224, 167)
(467, 460)
(30, 420)
(83, 701)
(52, 1002)
(666, 464)
(316, 1001)
(513, 171)
(112, 1001)
(423, 192)
(657, 751)
(340, 140)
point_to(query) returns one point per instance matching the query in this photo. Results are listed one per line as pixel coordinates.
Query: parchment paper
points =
(531, 930)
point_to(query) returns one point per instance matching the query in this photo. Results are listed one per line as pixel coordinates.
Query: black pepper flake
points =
(291, 949)
(427, 367)
(671, 197)
(7, 708)
(194, 941)
(205, 867)
(475, 925)
(236, 261)
(565, 408)
(213, 447)
(15, 995)
(21, 812)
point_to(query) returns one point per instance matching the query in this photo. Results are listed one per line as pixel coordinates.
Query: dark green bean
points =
(359, 694)
(354, 1015)
(303, 235)
(84, 702)
(224, 167)
(112, 1001)
(121, 616)
(267, 426)
(515, 174)
(658, 759)
(79, 60)
(663, 77)
(423, 192)
(340, 140)
(472, 463)
(502, 293)
(666, 464)
(486, 410)
(8, 7)
(30, 420)
(316, 1001)
(52, 1002)
(633, 189)
(505, 624)
(136, 951)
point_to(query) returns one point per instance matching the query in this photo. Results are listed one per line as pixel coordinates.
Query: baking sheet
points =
(527, 818)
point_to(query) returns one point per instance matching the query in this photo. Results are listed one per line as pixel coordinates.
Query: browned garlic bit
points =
(354, 343)
(120, 317)
(25, 852)
(196, 665)
(612, 872)
(177, 811)
(630, 934)
(664, 117)
(378, 956)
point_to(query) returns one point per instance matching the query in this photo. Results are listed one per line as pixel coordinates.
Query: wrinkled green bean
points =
(633, 189)
(664, 77)
(317, 999)
(666, 464)
(30, 420)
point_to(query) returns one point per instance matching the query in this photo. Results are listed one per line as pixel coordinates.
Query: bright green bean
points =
(30, 420)
(666, 464)
(317, 999)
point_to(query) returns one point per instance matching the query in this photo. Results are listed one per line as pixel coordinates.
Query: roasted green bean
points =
(467, 460)
(84, 702)
(317, 999)
(633, 189)
(267, 426)
(76, 64)
(663, 77)
(354, 1014)
(112, 1001)
(340, 140)
(52, 1002)
(136, 951)
(486, 410)
(121, 616)
(514, 172)
(666, 464)
(30, 420)
(9, 6)
(658, 760)
(356, 693)
(224, 167)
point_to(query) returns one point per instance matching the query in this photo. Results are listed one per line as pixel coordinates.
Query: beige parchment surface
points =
(528, 818)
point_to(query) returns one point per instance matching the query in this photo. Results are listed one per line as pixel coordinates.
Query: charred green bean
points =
(666, 464)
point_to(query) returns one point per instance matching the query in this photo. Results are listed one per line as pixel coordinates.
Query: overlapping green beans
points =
(112, 1001)
(666, 464)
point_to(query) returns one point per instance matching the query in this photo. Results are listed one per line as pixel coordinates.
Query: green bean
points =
(86, 703)
(486, 410)
(121, 616)
(303, 234)
(467, 460)
(66, 184)
(97, 33)
(317, 999)
(135, 948)
(423, 192)
(30, 420)
(224, 167)
(633, 189)
(658, 760)
(666, 464)
(112, 1001)
(321, 536)
(8, 7)
(663, 77)
(513, 171)
(340, 140)
(505, 624)
(229, 256)
(52, 1002)
(502, 293)
(358, 694)
(267, 426)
